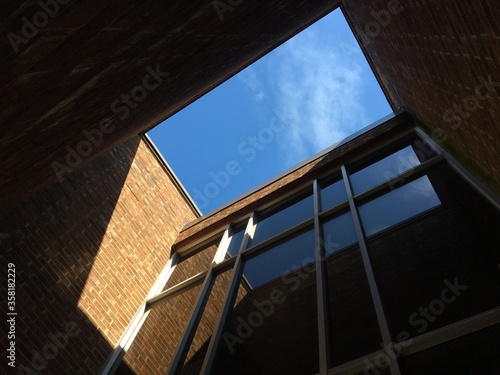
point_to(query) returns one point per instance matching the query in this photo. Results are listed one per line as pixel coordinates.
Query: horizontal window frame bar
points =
(193, 248)
(177, 289)
(408, 176)
(333, 210)
(261, 247)
(427, 340)
(223, 266)
(452, 331)
(462, 172)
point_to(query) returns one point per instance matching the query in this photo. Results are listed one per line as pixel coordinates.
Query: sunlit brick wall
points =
(87, 251)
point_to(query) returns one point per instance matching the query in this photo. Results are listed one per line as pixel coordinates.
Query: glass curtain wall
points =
(362, 271)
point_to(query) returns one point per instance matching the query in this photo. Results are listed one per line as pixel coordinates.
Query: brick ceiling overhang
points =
(68, 74)
(70, 78)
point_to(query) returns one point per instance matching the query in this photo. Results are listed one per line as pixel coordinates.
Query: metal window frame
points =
(229, 300)
(222, 263)
(467, 176)
(184, 344)
(138, 320)
(321, 287)
(372, 283)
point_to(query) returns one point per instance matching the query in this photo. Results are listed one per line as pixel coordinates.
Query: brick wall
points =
(87, 251)
(152, 350)
(155, 344)
(433, 57)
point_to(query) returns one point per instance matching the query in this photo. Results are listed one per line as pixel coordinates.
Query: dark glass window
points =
(332, 194)
(235, 242)
(384, 170)
(280, 260)
(299, 210)
(398, 205)
(441, 268)
(473, 354)
(354, 330)
(273, 329)
(338, 233)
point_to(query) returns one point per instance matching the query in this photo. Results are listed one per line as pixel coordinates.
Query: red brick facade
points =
(439, 60)
(87, 251)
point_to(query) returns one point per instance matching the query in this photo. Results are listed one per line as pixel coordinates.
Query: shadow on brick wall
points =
(53, 238)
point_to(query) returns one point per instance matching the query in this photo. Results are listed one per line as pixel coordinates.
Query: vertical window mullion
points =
(229, 300)
(377, 301)
(319, 255)
(185, 343)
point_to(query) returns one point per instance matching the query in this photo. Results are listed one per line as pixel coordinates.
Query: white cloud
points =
(253, 82)
(311, 77)
(323, 91)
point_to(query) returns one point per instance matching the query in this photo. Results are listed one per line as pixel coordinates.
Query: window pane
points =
(234, 244)
(193, 265)
(277, 222)
(473, 354)
(338, 233)
(398, 205)
(383, 170)
(280, 260)
(354, 330)
(263, 336)
(333, 194)
(443, 267)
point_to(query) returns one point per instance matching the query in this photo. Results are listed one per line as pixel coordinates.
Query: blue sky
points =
(299, 99)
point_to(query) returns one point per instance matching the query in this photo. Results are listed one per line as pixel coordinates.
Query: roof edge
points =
(398, 113)
(166, 167)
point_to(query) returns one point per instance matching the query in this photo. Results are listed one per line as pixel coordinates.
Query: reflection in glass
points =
(338, 233)
(299, 211)
(332, 195)
(441, 268)
(384, 170)
(473, 354)
(354, 330)
(234, 244)
(398, 205)
(201, 339)
(273, 329)
(280, 260)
